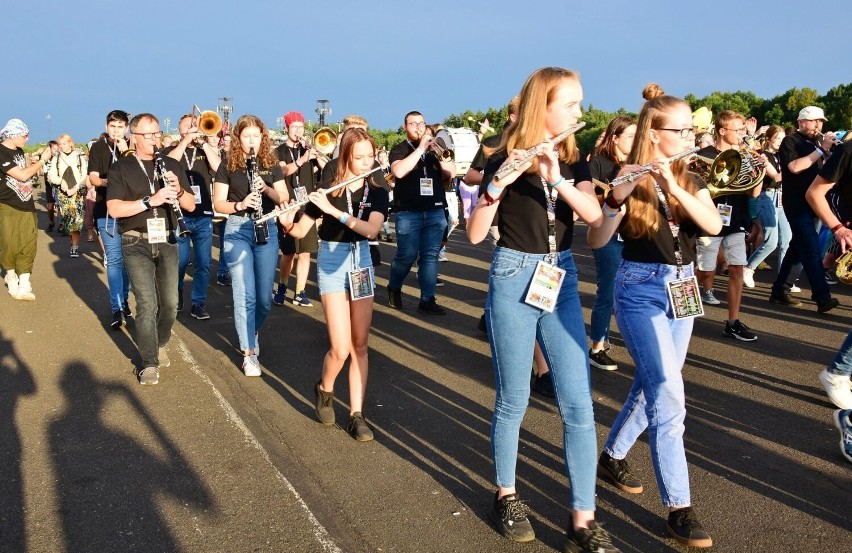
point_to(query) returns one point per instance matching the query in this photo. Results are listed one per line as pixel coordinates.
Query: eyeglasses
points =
(148, 135)
(684, 133)
(741, 130)
(417, 124)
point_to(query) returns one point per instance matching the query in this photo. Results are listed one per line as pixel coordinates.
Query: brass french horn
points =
(844, 268)
(731, 172)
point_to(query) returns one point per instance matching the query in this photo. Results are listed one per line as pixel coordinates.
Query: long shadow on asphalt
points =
(109, 484)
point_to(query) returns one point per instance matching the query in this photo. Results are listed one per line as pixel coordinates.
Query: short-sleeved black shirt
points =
(775, 162)
(795, 185)
(838, 169)
(129, 182)
(406, 192)
(480, 159)
(660, 247)
(604, 169)
(522, 210)
(238, 184)
(305, 175)
(740, 221)
(101, 156)
(194, 164)
(13, 192)
(333, 230)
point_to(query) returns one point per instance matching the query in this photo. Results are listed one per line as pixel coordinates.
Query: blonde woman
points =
(68, 173)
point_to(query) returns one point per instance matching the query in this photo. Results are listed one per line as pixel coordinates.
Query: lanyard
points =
(422, 159)
(355, 261)
(674, 227)
(550, 200)
(150, 183)
(190, 163)
(113, 149)
(296, 153)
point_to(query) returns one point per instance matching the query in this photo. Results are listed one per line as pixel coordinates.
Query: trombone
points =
(209, 122)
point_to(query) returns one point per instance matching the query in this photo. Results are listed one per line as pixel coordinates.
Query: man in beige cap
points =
(801, 156)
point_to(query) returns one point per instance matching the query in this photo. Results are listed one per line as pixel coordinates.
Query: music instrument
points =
(261, 232)
(731, 172)
(288, 208)
(532, 152)
(441, 149)
(844, 268)
(160, 176)
(324, 140)
(643, 170)
(483, 126)
(464, 144)
(209, 122)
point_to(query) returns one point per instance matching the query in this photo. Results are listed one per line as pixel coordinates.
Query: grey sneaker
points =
(709, 298)
(324, 405)
(149, 376)
(163, 357)
(510, 515)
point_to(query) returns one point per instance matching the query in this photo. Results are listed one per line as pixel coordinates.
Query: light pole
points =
(280, 122)
(167, 122)
(322, 110)
(49, 118)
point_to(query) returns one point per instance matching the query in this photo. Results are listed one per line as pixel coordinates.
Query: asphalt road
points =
(210, 460)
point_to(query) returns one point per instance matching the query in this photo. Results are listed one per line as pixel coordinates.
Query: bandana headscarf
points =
(293, 117)
(13, 129)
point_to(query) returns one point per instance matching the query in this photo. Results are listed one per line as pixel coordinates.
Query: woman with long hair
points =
(532, 297)
(665, 212)
(68, 173)
(251, 260)
(609, 156)
(351, 216)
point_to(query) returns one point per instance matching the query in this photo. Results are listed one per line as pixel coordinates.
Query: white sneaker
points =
(795, 289)
(442, 254)
(251, 366)
(707, 297)
(25, 292)
(748, 277)
(11, 279)
(837, 388)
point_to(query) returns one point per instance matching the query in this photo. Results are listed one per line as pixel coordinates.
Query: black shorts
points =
(291, 246)
(49, 193)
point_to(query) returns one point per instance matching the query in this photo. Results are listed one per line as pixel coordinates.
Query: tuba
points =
(731, 172)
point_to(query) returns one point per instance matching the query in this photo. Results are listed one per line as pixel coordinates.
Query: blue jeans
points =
(117, 279)
(776, 230)
(222, 268)
(252, 269)
(842, 363)
(804, 249)
(514, 327)
(201, 235)
(607, 260)
(153, 272)
(418, 232)
(658, 343)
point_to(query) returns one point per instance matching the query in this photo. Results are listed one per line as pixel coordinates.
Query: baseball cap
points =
(811, 113)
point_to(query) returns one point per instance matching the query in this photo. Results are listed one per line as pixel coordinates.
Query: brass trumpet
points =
(442, 152)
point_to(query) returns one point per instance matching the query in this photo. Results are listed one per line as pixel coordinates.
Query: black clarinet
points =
(160, 176)
(261, 229)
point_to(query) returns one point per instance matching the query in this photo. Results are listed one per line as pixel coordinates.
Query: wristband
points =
(612, 202)
(609, 213)
(820, 151)
(298, 165)
(344, 218)
(237, 207)
(557, 183)
(836, 227)
(493, 190)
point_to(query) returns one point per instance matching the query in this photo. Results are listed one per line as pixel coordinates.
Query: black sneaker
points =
(439, 283)
(593, 539)
(358, 428)
(180, 302)
(324, 405)
(827, 305)
(784, 299)
(394, 298)
(127, 312)
(829, 277)
(617, 472)
(601, 360)
(117, 319)
(543, 384)
(739, 331)
(223, 280)
(510, 514)
(431, 308)
(199, 312)
(481, 326)
(684, 527)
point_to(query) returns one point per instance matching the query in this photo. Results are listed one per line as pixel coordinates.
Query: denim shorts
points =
(335, 260)
(732, 245)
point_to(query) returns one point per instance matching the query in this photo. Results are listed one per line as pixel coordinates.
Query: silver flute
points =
(532, 152)
(292, 207)
(643, 170)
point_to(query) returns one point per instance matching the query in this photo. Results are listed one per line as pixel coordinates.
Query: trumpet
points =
(261, 232)
(278, 211)
(531, 153)
(160, 176)
(643, 170)
(443, 153)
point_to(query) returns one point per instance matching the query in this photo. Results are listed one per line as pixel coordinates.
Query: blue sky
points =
(78, 60)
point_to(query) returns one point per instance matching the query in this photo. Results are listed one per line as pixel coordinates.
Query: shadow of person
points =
(112, 486)
(16, 380)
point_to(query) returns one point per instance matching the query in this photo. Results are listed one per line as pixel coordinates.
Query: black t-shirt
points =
(129, 182)
(194, 164)
(329, 173)
(407, 194)
(332, 230)
(480, 159)
(604, 169)
(740, 221)
(101, 156)
(13, 192)
(238, 184)
(795, 185)
(838, 169)
(305, 175)
(522, 210)
(772, 159)
(660, 248)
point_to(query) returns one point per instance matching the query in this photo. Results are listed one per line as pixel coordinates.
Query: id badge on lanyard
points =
(684, 297)
(157, 233)
(725, 212)
(544, 286)
(361, 280)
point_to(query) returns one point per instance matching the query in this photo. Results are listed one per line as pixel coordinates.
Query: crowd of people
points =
(659, 222)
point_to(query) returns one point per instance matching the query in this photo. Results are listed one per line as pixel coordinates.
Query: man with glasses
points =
(104, 152)
(730, 129)
(419, 203)
(142, 201)
(199, 160)
(801, 156)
